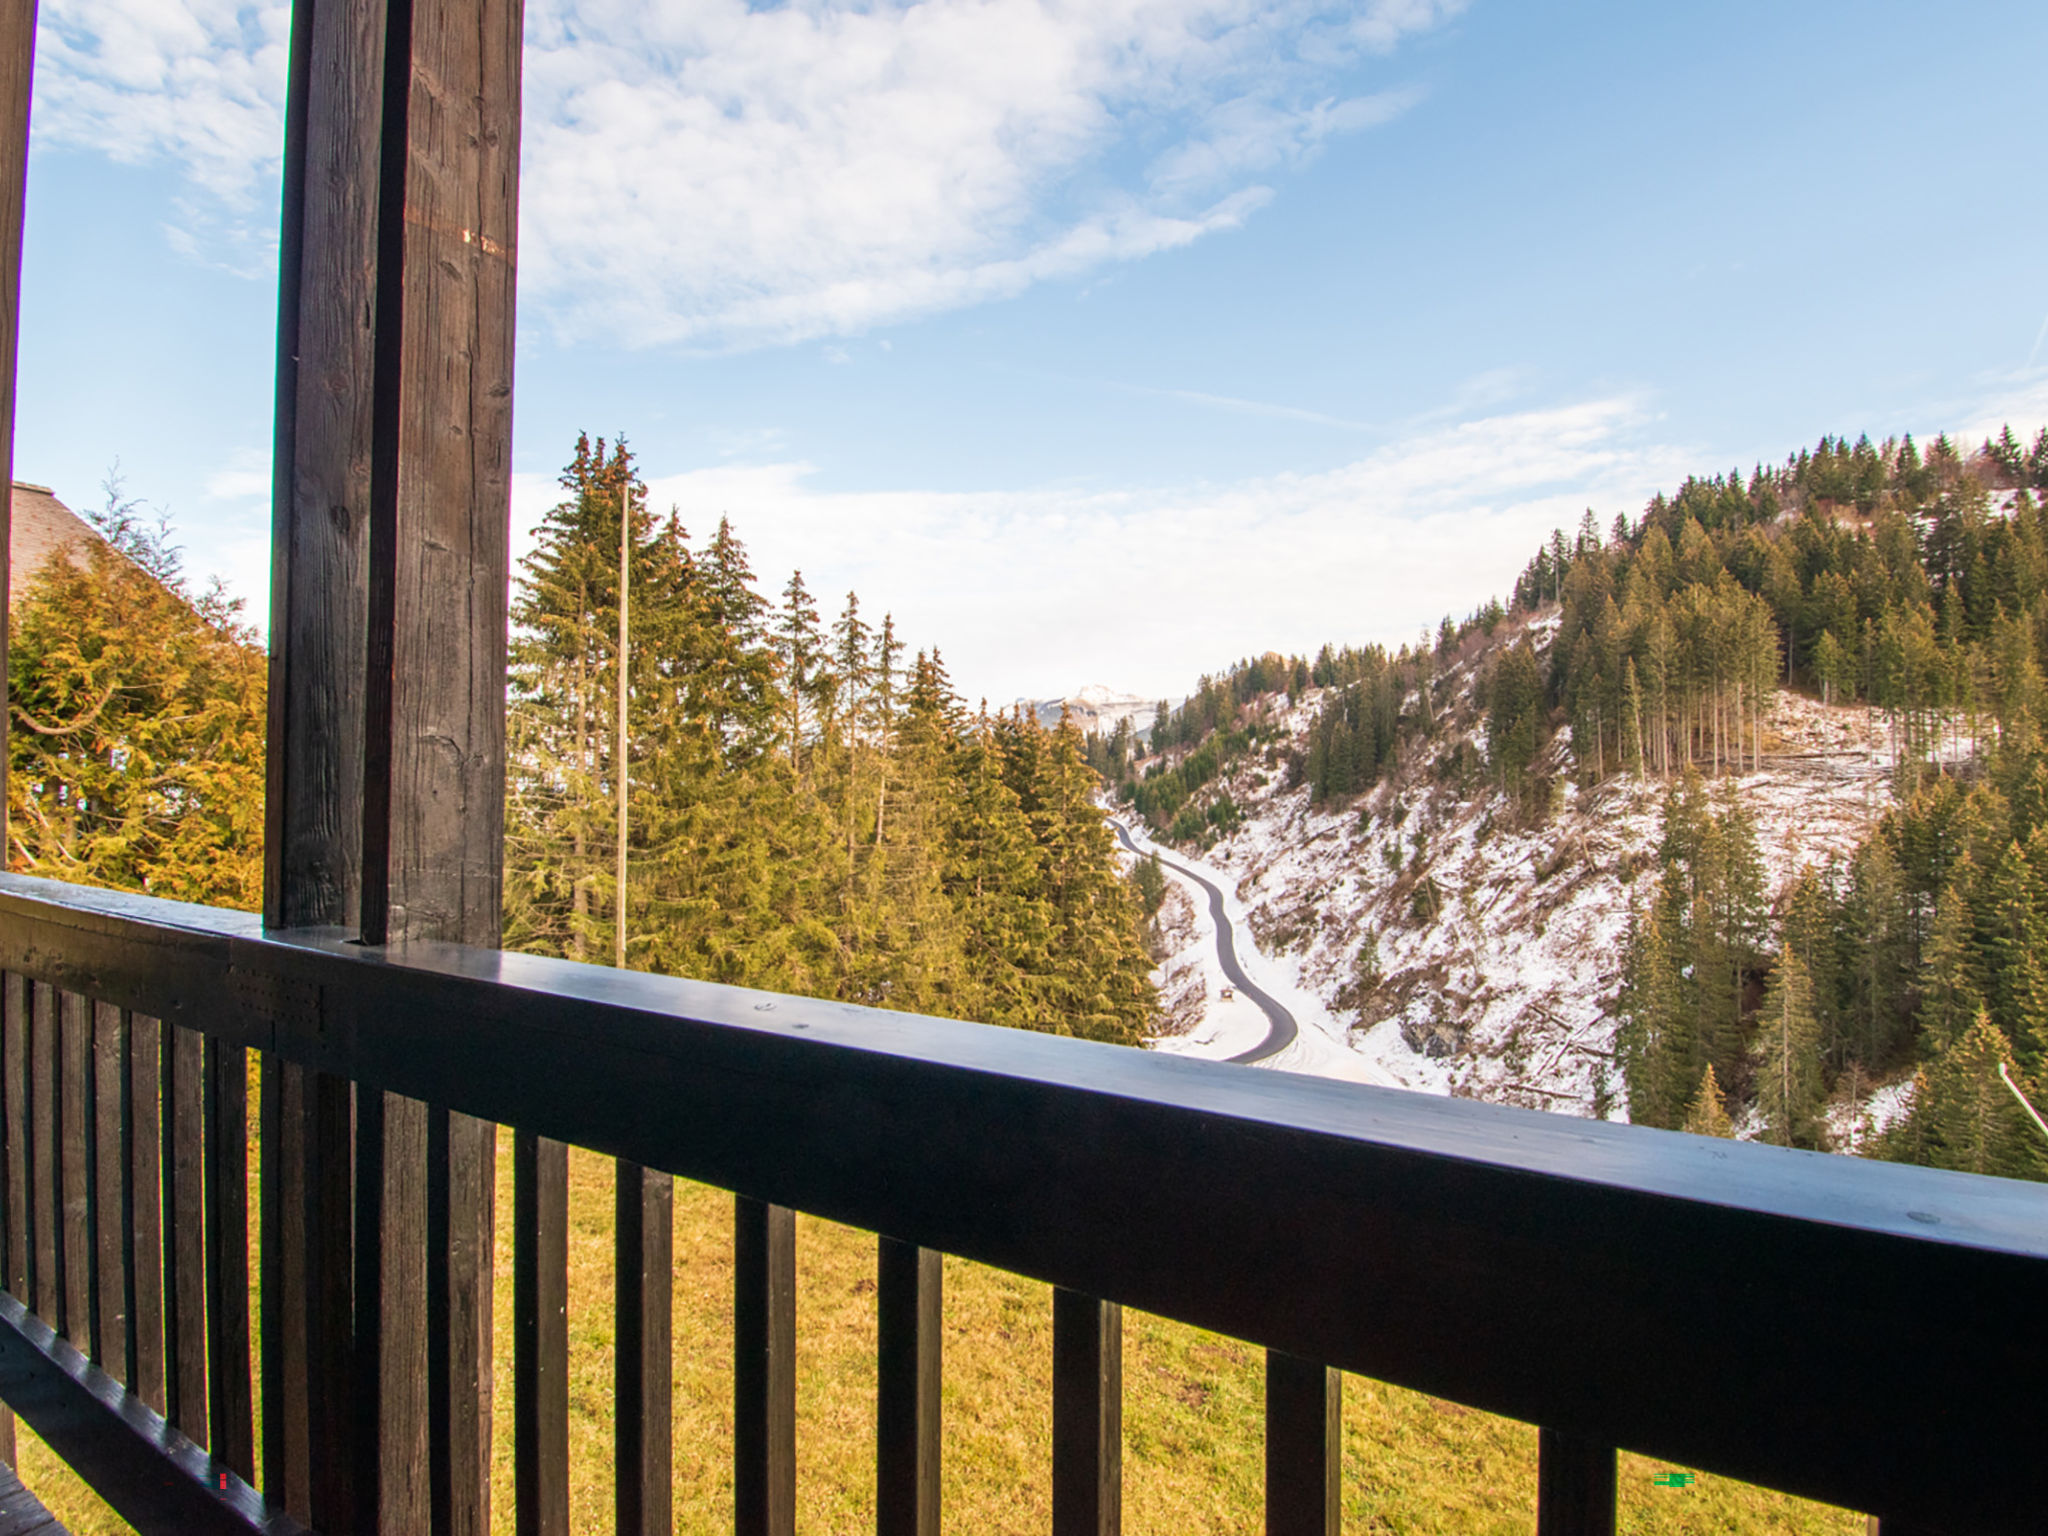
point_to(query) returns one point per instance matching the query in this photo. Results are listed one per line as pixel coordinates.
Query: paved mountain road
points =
(1280, 1025)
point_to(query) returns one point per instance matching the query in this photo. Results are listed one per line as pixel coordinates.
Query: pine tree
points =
(1964, 1116)
(1786, 1053)
(1707, 1115)
(1950, 998)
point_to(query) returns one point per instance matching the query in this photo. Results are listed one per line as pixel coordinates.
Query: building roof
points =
(42, 526)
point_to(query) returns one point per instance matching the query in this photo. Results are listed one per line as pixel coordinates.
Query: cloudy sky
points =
(1107, 340)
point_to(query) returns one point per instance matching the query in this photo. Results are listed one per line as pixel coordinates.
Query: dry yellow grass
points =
(1193, 1402)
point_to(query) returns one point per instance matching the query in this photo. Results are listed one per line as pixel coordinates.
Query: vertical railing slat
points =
(909, 1307)
(462, 1162)
(764, 1368)
(1087, 1415)
(14, 1041)
(1304, 1447)
(110, 1188)
(13, 1154)
(14, 1226)
(74, 1040)
(540, 1335)
(147, 1376)
(401, 1324)
(42, 1158)
(282, 1235)
(644, 1216)
(231, 1410)
(184, 1126)
(1574, 1485)
(330, 1317)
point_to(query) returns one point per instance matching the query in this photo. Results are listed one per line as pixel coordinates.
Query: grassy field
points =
(1193, 1430)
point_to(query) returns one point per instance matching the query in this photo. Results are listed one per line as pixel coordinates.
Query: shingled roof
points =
(43, 525)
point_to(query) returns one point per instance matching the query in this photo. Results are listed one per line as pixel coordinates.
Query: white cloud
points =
(720, 174)
(195, 83)
(1034, 592)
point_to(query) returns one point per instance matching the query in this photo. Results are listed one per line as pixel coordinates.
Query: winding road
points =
(1280, 1025)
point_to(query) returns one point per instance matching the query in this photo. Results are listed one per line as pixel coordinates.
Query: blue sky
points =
(1108, 342)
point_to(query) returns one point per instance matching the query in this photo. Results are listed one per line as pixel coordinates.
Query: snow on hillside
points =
(1506, 992)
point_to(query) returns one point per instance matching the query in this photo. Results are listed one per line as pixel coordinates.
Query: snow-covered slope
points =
(1438, 938)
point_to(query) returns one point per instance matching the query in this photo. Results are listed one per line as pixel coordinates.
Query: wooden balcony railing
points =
(1861, 1333)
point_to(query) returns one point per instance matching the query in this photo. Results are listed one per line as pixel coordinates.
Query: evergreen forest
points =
(808, 808)
(1912, 585)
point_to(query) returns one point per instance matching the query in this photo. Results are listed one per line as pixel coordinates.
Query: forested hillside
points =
(808, 812)
(1868, 578)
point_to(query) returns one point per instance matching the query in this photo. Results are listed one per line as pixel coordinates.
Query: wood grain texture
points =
(148, 1379)
(1304, 1447)
(764, 1368)
(1574, 1485)
(461, 1220)
(14, 1094)
(402, 1332)
(74, 1140)
(184, 1116)
(909, 1327)
(643, 1305)
(440, 484)
(112, 1215)
(1087, 1415)
(320, 464)
(146, 1211)
(45, 1253)
(230, 1405)
(540, 1335)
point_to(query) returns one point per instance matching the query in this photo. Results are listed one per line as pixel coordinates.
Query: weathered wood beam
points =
(386, 772)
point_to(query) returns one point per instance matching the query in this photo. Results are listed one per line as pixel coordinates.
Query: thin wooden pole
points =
(619, 755)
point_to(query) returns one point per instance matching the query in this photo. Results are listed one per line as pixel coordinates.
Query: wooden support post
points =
(390, 557)
(1304, 1447)
(17, 78)
(1574, 1485)
(644, 1296)
(764, 1368)
(909, 1297)
(1087, 1415)
(17, 70)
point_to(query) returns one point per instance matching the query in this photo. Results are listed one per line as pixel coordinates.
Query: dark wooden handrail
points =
(1863, 1333)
